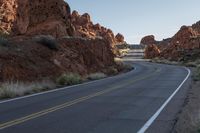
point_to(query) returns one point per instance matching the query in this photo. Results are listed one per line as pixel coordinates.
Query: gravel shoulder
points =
(188, 120)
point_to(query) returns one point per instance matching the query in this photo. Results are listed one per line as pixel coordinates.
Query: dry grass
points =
(96, 76)
(15, 89)
(164, 61)
(123, 67)
(196, 75)
(191, 64)
(69, 79)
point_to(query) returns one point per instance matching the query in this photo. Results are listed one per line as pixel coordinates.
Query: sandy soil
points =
(189, 118)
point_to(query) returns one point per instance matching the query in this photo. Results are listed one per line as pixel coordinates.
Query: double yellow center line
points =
(68, 104)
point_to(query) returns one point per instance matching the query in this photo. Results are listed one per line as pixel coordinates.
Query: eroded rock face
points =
(82, 47)
(27, 17)
(84, 27)
(7, 15)
(181, 44)
(119, 38)
(150, 39)
(196, 27)
(35, 61)
(187, 38)
(152, 51)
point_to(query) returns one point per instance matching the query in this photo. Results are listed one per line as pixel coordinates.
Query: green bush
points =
(48, 41)
(69, 79)
(96, 76)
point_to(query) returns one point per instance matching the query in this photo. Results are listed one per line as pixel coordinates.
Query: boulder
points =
(119, 38)
(151, 51)
(150, 39)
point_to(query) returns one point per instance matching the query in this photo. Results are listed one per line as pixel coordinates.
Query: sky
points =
(138, 18)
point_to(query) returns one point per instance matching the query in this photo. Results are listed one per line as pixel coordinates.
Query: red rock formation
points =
(196, 27)
(27, 17)
(150, 39)
(35, 61)
(26, 59)
(84, 27)
(186, 39)
(119, 38)
(7, 15)
(151, 51)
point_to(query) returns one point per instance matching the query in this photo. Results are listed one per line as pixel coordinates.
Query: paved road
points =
(120, 104)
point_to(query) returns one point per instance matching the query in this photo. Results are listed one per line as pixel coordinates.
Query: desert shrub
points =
(197, 61)
(69, 79)
(191, 64)
(196, 75)
(123, 67)
(96, 76)
(3, 38)
(14, 89)
(3, 41)
(48, 41)
(112, 70)
(127, 67)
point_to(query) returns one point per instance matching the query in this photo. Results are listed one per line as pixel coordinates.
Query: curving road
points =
(146, 99)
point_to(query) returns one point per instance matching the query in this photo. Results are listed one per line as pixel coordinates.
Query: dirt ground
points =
(188, 120)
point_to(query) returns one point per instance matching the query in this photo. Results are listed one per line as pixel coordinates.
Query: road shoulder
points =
(189, 118)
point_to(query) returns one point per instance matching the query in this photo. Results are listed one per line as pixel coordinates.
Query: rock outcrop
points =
(84, 27)
(35, 61)
(186, 39)
(7, 15)
(119, 38)
(150, 39)
(151, 51)
(82, 47)
(180, 45)
(27, 17)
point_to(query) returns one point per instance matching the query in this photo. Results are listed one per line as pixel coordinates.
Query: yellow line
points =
(67, 104)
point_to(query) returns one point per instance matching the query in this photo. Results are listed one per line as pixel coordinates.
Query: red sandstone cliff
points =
(184, 41)
(82, 46)
(26, 17)
(84, 27)
(150, 39)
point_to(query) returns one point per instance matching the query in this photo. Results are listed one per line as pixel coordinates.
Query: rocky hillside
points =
(26, 17)
(43, 39)
(84, 27)
(186, 40)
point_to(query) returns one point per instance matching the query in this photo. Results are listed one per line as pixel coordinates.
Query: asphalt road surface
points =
(146, 99)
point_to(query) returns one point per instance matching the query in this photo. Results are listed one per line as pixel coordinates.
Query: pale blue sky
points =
(137, 18)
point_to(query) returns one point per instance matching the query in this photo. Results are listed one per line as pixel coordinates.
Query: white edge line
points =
(60, 89)
(153, 118)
